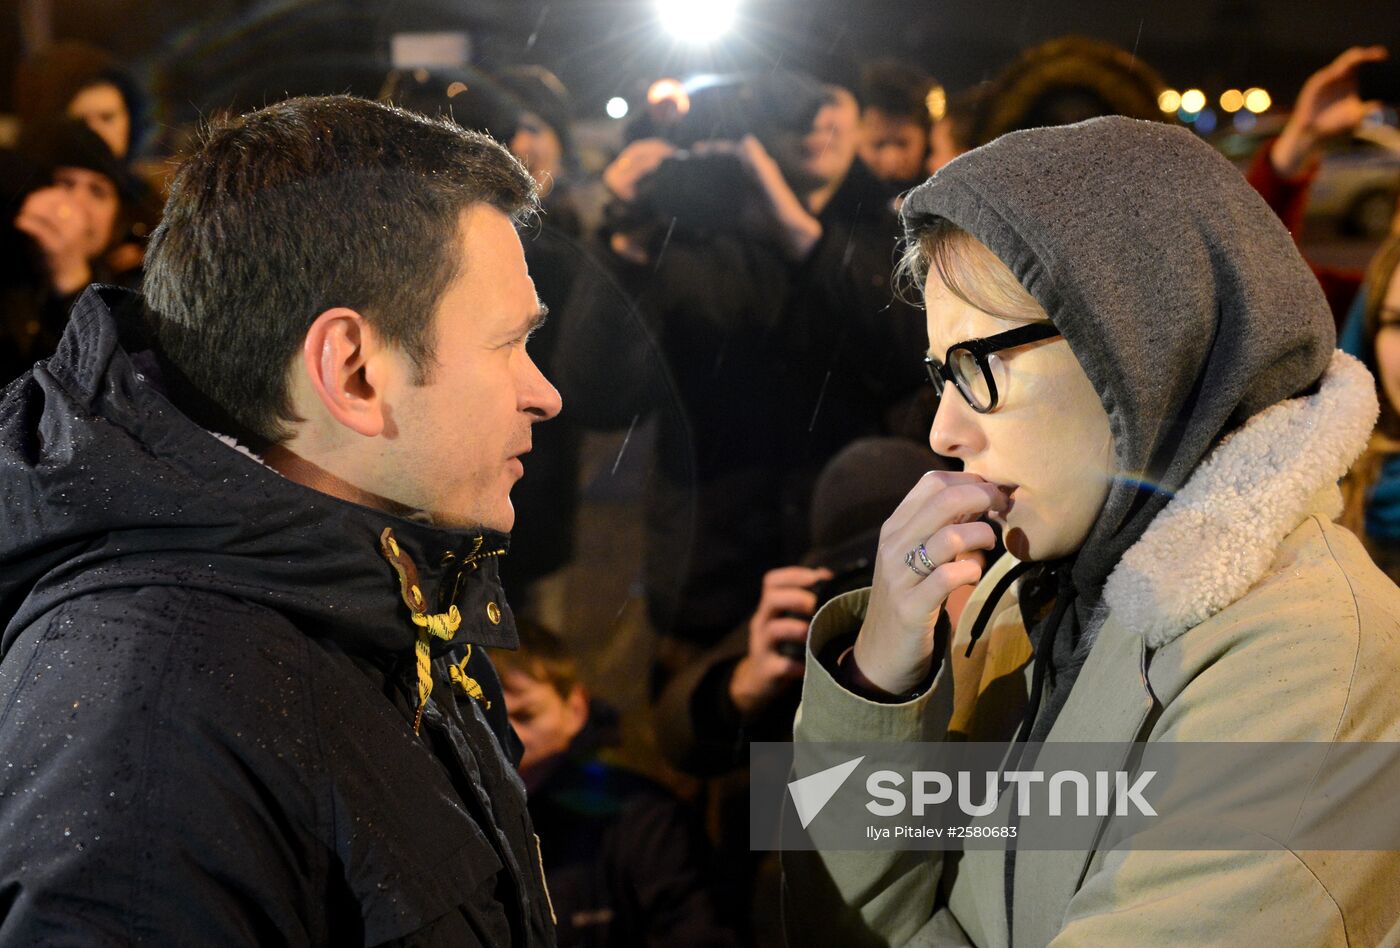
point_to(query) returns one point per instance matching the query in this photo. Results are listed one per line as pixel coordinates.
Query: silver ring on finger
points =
(922, 555)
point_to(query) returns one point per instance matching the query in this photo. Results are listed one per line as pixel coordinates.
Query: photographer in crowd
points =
(895, 123)
(759, 249)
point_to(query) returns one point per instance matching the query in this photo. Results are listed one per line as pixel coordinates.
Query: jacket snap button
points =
(493, 612)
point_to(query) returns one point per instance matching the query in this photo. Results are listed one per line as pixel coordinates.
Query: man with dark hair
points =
(895, 121)
(246, 525)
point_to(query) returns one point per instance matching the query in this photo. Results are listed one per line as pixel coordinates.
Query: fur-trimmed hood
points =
(1216, 538)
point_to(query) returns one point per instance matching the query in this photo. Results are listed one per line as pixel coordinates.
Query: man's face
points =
(103, 109)
(537, 146)
(97, 200)
(892, 146)
(458, 440)
(830, 145)
(544, 720)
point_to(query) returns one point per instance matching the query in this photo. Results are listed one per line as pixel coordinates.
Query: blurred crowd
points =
(721, 297)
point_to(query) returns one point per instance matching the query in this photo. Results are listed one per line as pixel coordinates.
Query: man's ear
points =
(345, 363)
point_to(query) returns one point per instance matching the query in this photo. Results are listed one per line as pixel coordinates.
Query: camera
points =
(856, 574)
(701, 192)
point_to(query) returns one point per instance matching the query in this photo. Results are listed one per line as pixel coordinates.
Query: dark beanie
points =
(47, 82)
(857, 491)
(69, 143)
(540, 91)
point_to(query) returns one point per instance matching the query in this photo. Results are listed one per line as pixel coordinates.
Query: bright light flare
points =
(617, 107)
(697, 21)
(1257, 101)
(1193, 100)
(669, 90)
(937, 103)
(1169, 100)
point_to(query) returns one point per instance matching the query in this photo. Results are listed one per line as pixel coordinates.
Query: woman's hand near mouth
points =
(894, 650)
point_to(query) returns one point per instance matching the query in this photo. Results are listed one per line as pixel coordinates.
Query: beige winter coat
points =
(1243, 614)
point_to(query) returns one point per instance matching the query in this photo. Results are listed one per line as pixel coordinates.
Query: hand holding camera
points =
(782, 620)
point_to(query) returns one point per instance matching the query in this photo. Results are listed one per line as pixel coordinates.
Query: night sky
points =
(199, 54)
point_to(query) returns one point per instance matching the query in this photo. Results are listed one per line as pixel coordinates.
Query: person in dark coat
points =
(66, 206)
(746, 688)
(76, 79)
(767, 289)
(510, 108)
(245, 524)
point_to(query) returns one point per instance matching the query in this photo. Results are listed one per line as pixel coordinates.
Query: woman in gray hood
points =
(1150, 407)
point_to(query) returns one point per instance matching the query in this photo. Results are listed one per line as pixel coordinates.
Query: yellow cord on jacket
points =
(442, 625)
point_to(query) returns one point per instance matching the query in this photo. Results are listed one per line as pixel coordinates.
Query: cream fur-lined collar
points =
(1216, 538)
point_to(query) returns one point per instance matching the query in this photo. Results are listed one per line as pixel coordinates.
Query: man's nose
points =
(539, 396)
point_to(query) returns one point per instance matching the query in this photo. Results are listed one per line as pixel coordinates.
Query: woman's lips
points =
(1008, 494)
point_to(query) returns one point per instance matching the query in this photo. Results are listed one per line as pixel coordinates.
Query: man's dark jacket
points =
(208, 690)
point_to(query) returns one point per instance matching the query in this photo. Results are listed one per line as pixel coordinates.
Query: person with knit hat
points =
(70, 203)
(1148, 405)
(77, 80)
(746, 687)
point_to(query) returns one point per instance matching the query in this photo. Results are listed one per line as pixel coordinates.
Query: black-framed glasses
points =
(968, 367)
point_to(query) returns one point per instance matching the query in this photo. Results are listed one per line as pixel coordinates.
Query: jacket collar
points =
(124, 489)
(1216, 538)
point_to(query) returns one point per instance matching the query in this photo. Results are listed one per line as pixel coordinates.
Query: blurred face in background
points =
(830, 146)
(942, 147)
(537, 146)
(97, 201)
(103, 109)
(545, 721)
(893, 146)
(1388, 343)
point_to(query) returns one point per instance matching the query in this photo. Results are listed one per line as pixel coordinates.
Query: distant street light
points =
(1257, 101)
(1193, 100)
(1169, 100)
(697, 21)
(1232, 100)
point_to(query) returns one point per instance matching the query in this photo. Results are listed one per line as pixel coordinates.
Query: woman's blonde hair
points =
(969, 270)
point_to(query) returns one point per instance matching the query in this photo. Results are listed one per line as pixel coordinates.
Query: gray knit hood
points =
(1178, 290)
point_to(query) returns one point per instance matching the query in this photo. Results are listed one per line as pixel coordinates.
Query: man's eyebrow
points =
(532, 322)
